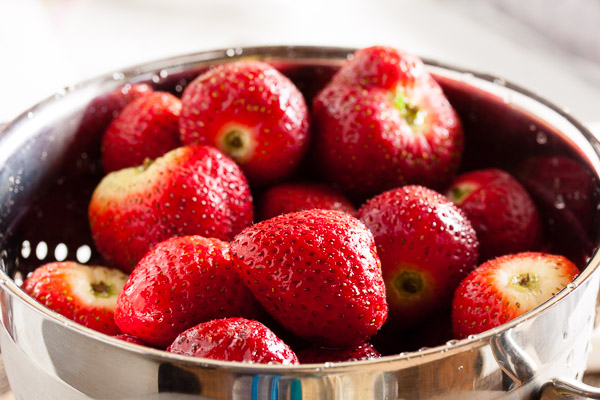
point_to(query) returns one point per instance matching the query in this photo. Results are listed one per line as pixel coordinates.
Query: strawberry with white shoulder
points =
(507, 287)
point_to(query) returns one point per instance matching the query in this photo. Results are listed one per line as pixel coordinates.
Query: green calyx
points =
(101, 289)
(412, 114)
(459, 193)
(527, 281)
(147, 163)
(408, 283)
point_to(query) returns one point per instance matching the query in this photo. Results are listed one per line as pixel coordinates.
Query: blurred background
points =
(551, 47)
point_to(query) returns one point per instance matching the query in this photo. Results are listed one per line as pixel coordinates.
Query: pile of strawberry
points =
(391, 239)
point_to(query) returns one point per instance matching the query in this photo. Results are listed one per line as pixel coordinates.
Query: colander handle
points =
(567, 388)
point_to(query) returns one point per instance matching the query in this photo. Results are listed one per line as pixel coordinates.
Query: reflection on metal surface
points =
(517, 364)
(560, 389)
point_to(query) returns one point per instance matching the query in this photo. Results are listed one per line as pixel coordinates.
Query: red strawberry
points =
(97, 116)
(384, 122)
(251, 112)
(317, 273)
(426, 245)
(501, 211)
(146, 128)
(435, 330)
(565, 193)
(506, 287)
(233, 339)
(84, 294)
(289, 197)
(179, 283)
(315, 355)
(100, 113)
(190, 190)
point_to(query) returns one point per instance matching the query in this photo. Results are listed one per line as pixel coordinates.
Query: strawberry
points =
(84, 294)
(233, 339)
(317, 355)
(146, 128)
(435, 330)
(251, 112)
(317, 273)
(101, 111)
(289, 197)
(506, 287)
(565, 193)
(179, 283)
(383, 122)
(502, 212)
(427, 246)
(190, 190)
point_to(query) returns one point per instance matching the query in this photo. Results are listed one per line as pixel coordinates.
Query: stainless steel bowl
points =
(48, 163)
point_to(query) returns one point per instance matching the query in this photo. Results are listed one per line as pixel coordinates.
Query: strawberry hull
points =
(515, 360)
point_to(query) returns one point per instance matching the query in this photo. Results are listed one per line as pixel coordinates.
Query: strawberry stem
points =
(459, 193)
(101, 289)
(528, 281)
(146, 163)
(408, 283)
(234, 140)
(412, 114)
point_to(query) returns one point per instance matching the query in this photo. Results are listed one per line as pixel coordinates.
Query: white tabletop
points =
(48, 44)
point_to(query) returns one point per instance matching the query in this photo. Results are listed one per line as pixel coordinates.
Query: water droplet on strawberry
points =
(541, 138)
(559, 202)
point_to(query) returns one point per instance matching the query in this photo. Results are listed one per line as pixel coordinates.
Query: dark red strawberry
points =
(233, 339)
(192, 190)
(434, 331)
(426, 245)
(148, 127)
(181, 282)
(501, 211)
(289, 197)
(82, 293)
(100, 113)
(251, 112)
(565, 193)
(96, 117)
(317, 355)
(507, 287)
(384, 122)
(317, 273)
